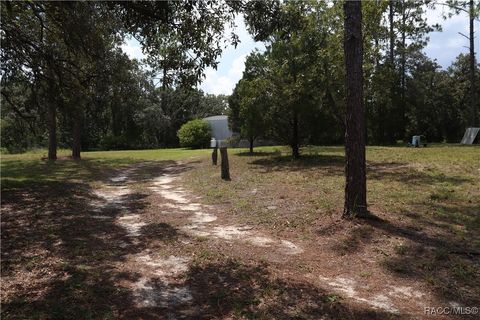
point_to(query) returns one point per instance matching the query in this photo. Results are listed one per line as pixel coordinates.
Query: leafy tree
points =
(459, 86)
(472, 8)
(294, 47)
(59, 47)
(407, 34)
(63, 48)
(251, 99)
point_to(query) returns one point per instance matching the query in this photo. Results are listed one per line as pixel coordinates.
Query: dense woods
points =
(298, 81)
(66, 82)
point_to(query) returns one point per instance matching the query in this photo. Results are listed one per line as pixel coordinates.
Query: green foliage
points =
(251, 99)
(303, 69)
(194, 134)
(297, 82)
(63, 71)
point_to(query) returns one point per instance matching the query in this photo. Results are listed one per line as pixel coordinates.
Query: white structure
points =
(470, 135)
(219, 127)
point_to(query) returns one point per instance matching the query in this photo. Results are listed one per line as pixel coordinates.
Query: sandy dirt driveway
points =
(165, 278)
(141, 245)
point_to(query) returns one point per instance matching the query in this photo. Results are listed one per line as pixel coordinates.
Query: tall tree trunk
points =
(77, 135)
(251, 140)
(294, 143)
(377, 43)
(51, 116)
(163, 105)
(473, 104)
(402, 76)
(355, 189)
(391, 34)
(389, 137)
(52, 131)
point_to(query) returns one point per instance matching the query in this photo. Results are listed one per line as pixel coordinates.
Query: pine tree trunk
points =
(355, 189)
(472, 67)
(77, 135)
(391, 34)
(52, 131)
(389, 137)
(402, 77)
(225, 166)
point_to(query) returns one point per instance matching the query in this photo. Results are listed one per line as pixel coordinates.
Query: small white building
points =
(219, 127)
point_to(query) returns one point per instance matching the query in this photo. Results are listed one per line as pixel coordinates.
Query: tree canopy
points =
(66, 82)
(406, 92)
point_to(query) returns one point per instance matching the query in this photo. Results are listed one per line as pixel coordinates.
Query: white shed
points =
(219, 127)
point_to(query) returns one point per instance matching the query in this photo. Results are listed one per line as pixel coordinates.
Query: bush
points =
(194, 134)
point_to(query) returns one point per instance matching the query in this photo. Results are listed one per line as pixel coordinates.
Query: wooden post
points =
(214, 156)
(225, 167)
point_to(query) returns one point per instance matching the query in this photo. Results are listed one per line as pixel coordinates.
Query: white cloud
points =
(133, 49)
(217, 83)
(238, 66)
(232, 62)
(446, 45)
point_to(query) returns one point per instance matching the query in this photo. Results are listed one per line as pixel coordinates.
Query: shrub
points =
(194, 134)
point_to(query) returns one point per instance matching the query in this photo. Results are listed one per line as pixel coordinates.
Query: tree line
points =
(332, 71)
(66, 82)
(293, 91)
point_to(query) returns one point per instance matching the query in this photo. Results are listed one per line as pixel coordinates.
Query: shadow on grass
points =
(403, 172)
(306, 162)
(446, 262)
(259, 153)
(334, 165)
(230, 288)
(61, 244)
(159, 231)
(356, 240)
(28, 173)
(50, 237)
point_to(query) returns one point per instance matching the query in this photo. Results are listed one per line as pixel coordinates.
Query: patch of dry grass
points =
(57, 262)
(428, 201)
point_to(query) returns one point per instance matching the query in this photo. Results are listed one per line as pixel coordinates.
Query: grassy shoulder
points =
(398, 179)
(27, 169)
(427, 201)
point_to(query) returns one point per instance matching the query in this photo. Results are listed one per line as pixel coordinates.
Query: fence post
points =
(214, 156)
(225, 166)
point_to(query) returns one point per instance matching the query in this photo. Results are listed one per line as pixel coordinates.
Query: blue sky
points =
(443, 46)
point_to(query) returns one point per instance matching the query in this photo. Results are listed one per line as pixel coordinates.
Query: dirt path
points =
(202, 221)
(160, 283)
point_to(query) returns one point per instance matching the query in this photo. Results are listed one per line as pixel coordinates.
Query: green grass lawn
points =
(427, 201)
(438, 181)
(27, 169)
